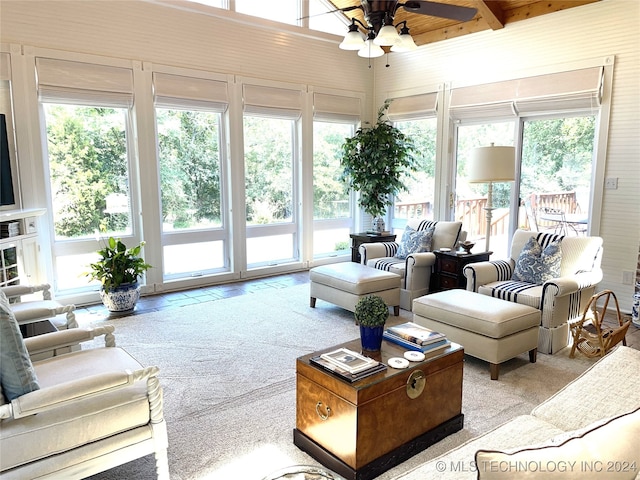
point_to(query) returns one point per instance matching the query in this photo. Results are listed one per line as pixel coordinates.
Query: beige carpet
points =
(228, 372)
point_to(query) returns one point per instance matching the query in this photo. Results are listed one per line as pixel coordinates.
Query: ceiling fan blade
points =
(345, 9)
(442, 10)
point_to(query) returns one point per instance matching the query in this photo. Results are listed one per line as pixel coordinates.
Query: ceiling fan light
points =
(388, 35)
(406, 44)
(370, 50)
(353, 40)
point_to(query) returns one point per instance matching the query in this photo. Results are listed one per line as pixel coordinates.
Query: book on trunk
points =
(438, 345)
(416, 333)
(348, 360)
(318, 361)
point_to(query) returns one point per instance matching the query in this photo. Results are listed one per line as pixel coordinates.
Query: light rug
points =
(228, 372)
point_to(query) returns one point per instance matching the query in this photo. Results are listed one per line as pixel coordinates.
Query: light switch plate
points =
(611, 183)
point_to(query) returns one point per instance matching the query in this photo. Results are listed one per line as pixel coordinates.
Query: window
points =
(272, 185)
(88, 170)
(190, 132)
(415, 116)
(417, 201)
(556, 171)
(471, 198)
(86, 112)
(269, 189)
(551, 120)
(286, 11)
(332, 203)
(319, 18)
(188, 148)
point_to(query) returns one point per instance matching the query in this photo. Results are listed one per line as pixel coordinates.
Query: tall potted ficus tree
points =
(373, 162)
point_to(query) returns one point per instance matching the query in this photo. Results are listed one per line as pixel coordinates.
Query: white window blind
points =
(336, 107)
(5, 66)
(413, 107)
(180, 91)
(564, 91)
(69, 81)
(272, 101)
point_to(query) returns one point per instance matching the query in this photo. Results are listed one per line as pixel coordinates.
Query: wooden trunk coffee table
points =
(362, 429)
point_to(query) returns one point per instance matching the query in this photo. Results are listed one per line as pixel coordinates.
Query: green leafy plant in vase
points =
(374, 161)
(371, 313)
(118, 270)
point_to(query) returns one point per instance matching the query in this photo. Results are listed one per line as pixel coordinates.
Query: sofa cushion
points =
(607, 450)
(520, 292)
(389, 264)
(72, 425)
(458, 463)
(589, 397)
(17, 375)
(538, 263)
(415, 241)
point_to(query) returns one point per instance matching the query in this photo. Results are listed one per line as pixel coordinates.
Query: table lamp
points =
(488, 165)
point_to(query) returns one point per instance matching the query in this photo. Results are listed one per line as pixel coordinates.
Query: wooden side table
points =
(449, 266)
(359, 238)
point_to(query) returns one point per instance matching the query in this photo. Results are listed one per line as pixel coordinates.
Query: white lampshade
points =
(370, 50)
(388, 35)
(353, 40)
(406, 44)
(492, 164)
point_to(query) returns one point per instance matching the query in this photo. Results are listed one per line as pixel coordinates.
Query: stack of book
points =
(347, 364)
(9, 229)
(416, 337)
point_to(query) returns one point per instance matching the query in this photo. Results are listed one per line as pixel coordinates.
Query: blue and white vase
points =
(122, 298)
(635, 309)
(378, 224)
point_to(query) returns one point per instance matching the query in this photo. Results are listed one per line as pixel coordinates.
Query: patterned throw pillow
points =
(536, 264)
(414, 241)
(17, 375)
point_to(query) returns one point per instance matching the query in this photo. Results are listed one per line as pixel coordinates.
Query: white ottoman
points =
(488, 328)
(343, 284)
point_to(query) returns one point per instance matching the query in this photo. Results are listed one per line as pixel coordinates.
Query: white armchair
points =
(416, 269)
(31, 311)
(561, 299)
(79, 413)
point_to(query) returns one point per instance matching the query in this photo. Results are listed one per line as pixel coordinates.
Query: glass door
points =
(471, 198)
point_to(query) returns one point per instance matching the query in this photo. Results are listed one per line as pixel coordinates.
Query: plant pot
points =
(122, 298)
(371, 338)
(378, 224)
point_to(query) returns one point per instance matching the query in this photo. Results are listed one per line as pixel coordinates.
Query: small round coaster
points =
(397, 362)
(414, 356)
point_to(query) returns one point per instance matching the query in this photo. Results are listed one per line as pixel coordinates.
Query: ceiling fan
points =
(381, 31)
(381, 12)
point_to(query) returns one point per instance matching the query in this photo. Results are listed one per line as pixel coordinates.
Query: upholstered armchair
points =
(562, 297)
(415, 269)
(36, 310)
(76, 414)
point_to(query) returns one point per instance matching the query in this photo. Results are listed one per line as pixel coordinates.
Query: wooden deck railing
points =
(471, 211)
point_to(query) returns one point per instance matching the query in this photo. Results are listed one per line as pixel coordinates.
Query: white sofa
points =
(561, 299)
(416, 269)
(590, 428)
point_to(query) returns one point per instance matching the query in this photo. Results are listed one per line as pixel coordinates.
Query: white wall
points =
(557, 42)
(156, 33)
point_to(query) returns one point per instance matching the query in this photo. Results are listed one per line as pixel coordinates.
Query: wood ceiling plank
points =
(492, 14)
